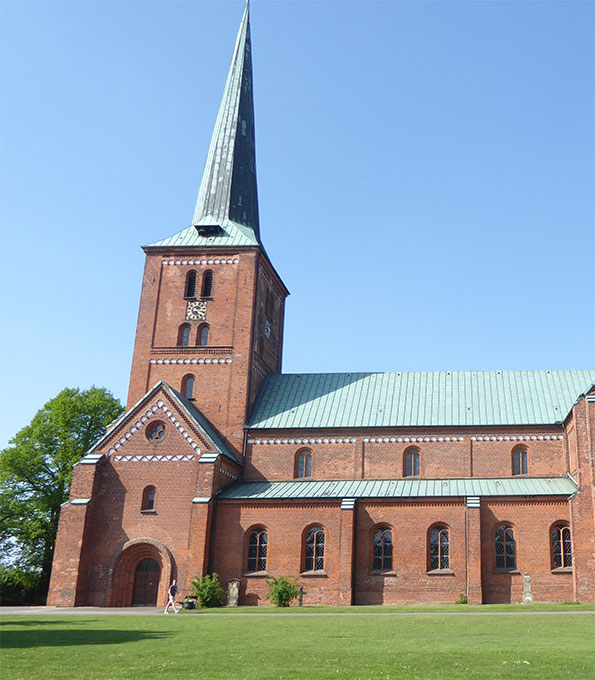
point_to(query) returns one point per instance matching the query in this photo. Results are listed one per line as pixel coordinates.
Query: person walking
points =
(171, 592)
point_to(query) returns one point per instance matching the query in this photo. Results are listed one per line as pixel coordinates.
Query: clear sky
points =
(425, 173)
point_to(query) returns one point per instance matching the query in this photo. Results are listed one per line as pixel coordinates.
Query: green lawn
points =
(301, 647)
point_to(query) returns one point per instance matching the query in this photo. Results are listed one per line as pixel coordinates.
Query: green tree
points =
(36, 471)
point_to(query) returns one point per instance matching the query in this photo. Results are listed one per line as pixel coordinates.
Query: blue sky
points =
(425, 179)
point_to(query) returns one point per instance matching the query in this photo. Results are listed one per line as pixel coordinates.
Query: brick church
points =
(372, 487)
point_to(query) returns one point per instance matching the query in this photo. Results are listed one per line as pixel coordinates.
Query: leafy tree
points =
(36, 471)
(208, 590)
(282, 590)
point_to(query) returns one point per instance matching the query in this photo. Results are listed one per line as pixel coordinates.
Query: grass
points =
(405, 609)
(299, 648)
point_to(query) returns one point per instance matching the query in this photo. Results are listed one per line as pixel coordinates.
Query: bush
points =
(282, 590)
(463, 599)
(207, 590)
(19, 587)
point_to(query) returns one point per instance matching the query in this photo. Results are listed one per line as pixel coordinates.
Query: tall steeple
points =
(226, 211)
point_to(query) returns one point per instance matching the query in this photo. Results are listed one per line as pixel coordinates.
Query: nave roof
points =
(427, 399)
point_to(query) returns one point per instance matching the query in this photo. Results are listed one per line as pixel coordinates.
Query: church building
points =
(371, 487)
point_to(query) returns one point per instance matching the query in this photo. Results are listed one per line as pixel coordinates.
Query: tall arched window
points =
(439, 557)
(207, 285)
(314, 556)
(188, 386)
(202, 336)
(519, 461)
(383, 550)
(304, 464)
(561, 547)
(411, 463)
(505, 548)
(184, 335)
(148, 502)
(257, 550)
(190, 290)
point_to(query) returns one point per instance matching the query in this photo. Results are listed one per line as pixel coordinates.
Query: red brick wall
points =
(380, 459)
(410, 580)
(286, 524)
(531, 520)
(223, 370)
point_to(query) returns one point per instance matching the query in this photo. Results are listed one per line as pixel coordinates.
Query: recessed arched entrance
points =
(146, 583)
(141, 572)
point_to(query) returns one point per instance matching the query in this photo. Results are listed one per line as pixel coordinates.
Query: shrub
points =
(282, 590)
(463, 599)
(207, 590)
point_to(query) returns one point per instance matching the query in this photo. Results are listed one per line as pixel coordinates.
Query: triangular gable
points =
(182, 421)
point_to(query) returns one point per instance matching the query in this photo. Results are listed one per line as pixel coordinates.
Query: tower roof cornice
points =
(226, 210)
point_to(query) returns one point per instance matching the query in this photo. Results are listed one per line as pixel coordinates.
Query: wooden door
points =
(146, 584)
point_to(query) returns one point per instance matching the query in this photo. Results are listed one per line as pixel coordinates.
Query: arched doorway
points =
(146, 583)
(141, 566)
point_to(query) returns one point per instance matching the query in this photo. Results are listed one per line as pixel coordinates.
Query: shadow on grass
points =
(66, 637)
(44, 622)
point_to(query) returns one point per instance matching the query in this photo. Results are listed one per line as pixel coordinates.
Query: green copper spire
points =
(226, 211)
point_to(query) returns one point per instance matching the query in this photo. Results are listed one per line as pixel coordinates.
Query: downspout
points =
(212, 534)
(466, 553)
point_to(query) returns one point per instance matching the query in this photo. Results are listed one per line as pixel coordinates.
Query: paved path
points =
(157, 611)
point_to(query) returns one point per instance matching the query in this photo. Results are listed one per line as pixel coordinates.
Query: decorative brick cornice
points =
(517, 438)
(318, 440)
(412, 440)
(192, 361)
(205, 261)
(418, 439)
(138, 425)
(269, 281)
(155, 458)
(227, 473)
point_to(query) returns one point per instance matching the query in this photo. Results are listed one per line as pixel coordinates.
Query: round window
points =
(156, 431)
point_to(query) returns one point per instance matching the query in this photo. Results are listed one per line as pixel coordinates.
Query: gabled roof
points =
(196, 417)
(453, 398)
(401, 488)
(228, 195)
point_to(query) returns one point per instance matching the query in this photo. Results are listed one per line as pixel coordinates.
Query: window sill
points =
(506, 571)
(314, 574)
(562, 570)
(440, 572)
(148, 512)
(383, 572)
(255, 574)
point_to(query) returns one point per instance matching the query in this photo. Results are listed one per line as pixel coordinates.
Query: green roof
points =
(451, 398)
(401, 488)
(228, 195)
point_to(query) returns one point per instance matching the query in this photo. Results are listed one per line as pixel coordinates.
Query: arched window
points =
(411, 463)
(561, 547)
(184, 335)
(304, 464)
(505, 548)
(257, 550)
(148, 502)
(439, 549)
(207, 285)
(314, 556)
(190, 290)
(260, 346)
(188, 386)
(202, 337)
(519, 461)
(383, 549)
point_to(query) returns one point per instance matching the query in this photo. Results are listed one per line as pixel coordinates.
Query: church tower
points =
(212, 306)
